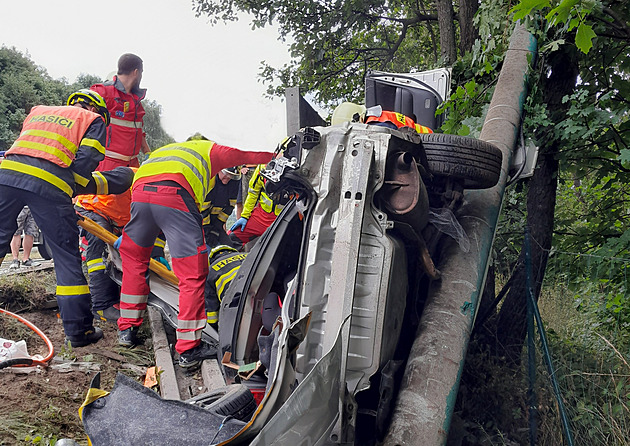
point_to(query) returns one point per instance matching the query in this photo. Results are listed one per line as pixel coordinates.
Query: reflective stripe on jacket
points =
(113, 207)
(398, 119)
(30, 166)
(54, 134)
(124, 135)
(256, 194)
(221, 200)
(190, 159)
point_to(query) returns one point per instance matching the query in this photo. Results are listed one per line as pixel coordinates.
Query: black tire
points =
(477, 163)
(43, 249)
(235, 400)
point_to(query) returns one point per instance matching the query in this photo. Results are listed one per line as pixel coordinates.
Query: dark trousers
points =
(57, 220)
(105, 292)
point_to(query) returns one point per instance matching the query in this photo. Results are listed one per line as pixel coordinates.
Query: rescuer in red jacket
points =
(168, 193)
(123, 95)
(54, 156)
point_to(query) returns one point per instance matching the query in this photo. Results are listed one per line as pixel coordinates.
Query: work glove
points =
(163, 261)
(240, 223)
(118, 242)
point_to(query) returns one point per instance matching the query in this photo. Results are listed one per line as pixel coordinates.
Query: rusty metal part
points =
(427, 262)
(404, 194)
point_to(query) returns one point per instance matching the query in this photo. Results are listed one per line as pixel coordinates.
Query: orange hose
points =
(51, 349)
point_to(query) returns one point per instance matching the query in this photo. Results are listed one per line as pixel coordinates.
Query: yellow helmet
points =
(91, 98)
(347, 112)
(218, 250)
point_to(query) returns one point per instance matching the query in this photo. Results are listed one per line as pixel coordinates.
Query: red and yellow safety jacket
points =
(58, 146)
(193, 165)
(125, 132)
(256, 195)
(399, 120)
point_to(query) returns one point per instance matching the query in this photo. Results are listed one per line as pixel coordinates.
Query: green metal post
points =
(423, 410)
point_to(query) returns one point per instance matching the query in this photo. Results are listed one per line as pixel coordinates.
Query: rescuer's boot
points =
(194, 356)
(128, 337)
(109, 314)
(89, 337)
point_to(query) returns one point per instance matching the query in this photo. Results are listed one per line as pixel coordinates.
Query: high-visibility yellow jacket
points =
(220, 202)
(256, 195)
(193, 165)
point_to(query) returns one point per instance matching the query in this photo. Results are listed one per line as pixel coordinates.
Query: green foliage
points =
(593, 375)
(333, 44)
(23, 85)
(565, 14)
(156, 135)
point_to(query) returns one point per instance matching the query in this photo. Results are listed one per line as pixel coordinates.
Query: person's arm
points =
(222, 157)
(115, 181)
(239, 201)
(253, 193)
(144, 146)
(91, 151)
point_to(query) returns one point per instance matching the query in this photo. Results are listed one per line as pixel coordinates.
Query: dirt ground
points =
(41, 407)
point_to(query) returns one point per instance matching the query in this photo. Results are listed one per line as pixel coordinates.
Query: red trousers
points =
(169, 208)
(257, 223)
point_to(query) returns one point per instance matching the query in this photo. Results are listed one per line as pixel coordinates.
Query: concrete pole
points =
(423, 410)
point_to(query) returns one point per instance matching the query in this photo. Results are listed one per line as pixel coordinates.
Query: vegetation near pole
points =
(577, 199)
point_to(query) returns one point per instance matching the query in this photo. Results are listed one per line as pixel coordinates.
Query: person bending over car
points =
(168, 192)
(259, 210)
(225, 262)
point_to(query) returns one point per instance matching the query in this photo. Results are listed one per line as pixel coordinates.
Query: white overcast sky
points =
(205, 77)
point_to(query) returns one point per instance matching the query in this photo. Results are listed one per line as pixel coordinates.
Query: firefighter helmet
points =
(219, 249)
(233, 172)
(90, 98)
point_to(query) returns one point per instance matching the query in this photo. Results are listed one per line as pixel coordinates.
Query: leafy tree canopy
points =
(333, 43)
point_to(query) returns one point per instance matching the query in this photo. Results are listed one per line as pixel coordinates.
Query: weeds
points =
(593, 373)
(25, 292)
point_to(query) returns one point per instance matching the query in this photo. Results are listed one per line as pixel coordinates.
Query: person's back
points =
(39, 159)
(225, 262)
(168, 193)
(55, 154)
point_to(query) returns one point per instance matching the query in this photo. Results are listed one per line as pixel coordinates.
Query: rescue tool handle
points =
(95, 229)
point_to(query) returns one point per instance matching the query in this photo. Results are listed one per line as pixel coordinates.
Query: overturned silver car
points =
(316, 328)
(344, 271)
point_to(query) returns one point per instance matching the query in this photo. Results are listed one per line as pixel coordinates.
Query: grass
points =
(48, 412)
(593, 373)
(590, 351)
(24, 292)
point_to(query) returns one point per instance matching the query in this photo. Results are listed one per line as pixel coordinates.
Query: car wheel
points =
(43, 249)
(235, 400)
(477, 163)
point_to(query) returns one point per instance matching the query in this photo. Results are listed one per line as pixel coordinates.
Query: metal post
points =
(423, 410)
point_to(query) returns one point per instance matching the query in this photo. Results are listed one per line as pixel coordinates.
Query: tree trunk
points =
(446, 19)
(541, 200)
(468, 32)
